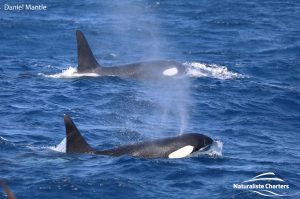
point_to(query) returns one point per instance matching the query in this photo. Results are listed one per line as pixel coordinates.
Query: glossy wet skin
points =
(161, 148)
(144, 70)
(179, 146)
(155, 69)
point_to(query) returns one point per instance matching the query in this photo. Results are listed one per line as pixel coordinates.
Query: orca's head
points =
(198, 141)
(190, 143)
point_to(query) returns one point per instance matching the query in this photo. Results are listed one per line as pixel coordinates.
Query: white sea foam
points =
(195, 69)
(70, 72)
(3, 139)
(61, 147)
(215, 150)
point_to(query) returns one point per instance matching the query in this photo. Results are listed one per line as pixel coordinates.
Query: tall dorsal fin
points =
(75, 142)
(86, 59)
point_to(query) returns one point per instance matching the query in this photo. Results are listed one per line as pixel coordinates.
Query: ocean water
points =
(242, 88)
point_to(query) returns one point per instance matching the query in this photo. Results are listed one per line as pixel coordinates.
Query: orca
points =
(156, 69)
(172, 147)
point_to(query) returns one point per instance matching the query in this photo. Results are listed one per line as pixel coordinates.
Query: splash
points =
(215, 150)
(195, 69)
(70, 72)
(61, 147)
(2, 139)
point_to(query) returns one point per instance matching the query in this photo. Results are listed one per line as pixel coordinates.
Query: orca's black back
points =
(160, 148)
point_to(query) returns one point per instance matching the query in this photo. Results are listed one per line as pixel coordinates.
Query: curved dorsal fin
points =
(86, 59)
(75, 142)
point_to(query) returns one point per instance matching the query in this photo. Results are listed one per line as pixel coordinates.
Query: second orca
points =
(156, 69)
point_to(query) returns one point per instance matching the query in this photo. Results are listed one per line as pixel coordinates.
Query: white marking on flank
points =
(182, 152)
(170, 72)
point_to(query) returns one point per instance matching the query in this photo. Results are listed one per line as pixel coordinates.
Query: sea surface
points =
(241, 87)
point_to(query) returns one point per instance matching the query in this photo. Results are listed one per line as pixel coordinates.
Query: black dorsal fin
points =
(75, 142)
(86, 59)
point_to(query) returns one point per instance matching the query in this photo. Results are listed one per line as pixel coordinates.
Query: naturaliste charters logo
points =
(266, 184)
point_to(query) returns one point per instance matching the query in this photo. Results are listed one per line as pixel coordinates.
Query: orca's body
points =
(173, 147)
(141, 70)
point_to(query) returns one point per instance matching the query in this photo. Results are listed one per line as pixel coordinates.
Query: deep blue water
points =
(243, 89)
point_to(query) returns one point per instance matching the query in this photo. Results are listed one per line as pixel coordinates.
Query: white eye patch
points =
(170, 72)
(182, 152)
